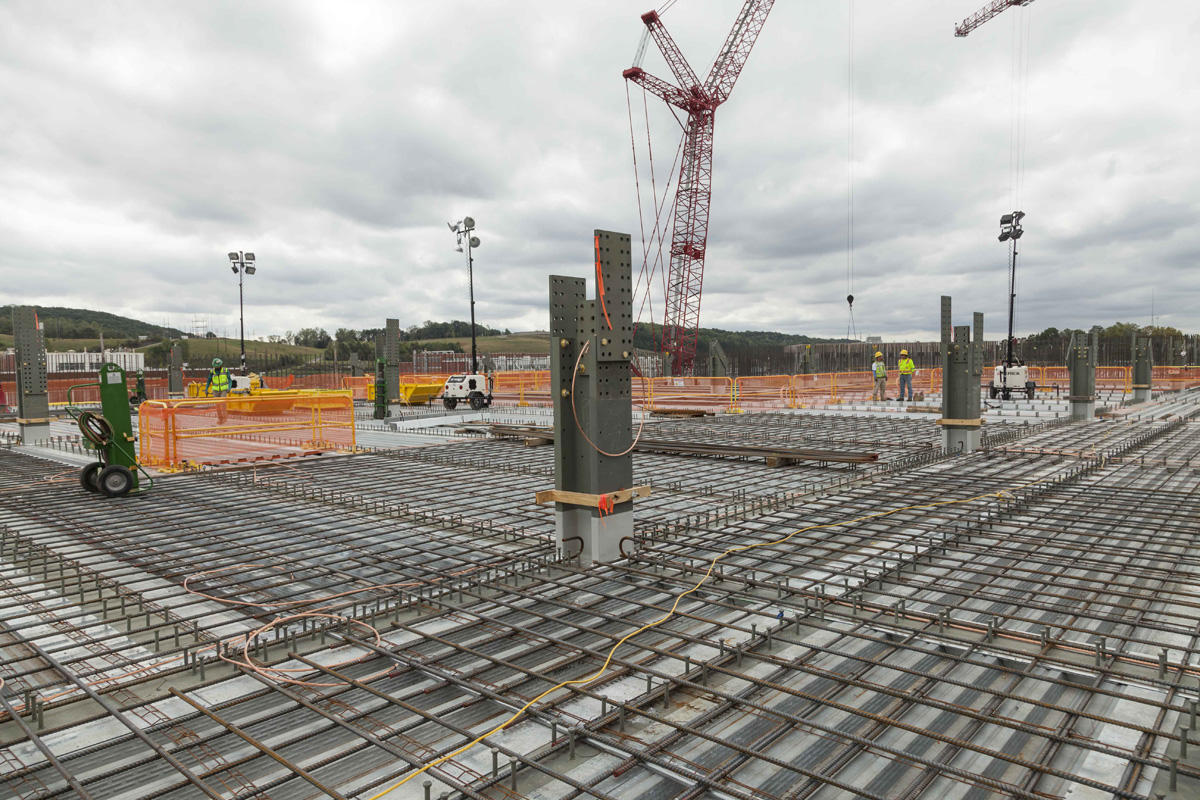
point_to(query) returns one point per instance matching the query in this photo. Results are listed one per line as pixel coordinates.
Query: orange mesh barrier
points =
(707, 393)
(763, 391)
(177, 433)
(357, 386)
(812, 388)
(1174, 379)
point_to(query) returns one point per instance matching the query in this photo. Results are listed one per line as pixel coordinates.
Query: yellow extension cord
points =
(674, 606)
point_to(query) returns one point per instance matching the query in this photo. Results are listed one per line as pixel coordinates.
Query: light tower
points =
(464, 230)
(243, 264)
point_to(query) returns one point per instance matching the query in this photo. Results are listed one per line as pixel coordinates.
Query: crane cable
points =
(674, 606)
(850, 326)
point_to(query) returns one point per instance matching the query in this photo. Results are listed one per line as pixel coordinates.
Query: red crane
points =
(984, 14)
(685, 278)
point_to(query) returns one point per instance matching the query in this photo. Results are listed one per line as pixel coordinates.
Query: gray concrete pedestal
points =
(601, 537)
(964, 440)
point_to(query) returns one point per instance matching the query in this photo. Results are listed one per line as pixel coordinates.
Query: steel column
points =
(33, 397)
(593, 401)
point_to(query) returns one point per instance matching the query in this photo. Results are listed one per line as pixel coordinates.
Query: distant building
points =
(874, 340)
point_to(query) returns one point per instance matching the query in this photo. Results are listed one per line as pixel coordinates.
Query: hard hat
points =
(878, 354)
(903, 352)
(217, 362)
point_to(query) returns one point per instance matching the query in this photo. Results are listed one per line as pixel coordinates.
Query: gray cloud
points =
(139, 142)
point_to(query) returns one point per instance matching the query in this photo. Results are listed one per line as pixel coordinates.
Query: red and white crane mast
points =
(685, 277)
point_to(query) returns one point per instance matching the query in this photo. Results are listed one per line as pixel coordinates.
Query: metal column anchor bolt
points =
(1192, 715)
(571, 743)
(428, 787)
(495, 763)
(666, 695)
(553, 731)
(512, 771)
(1162, 664)
(621, 719)
(1183, 741)
(1099, 653)
(1174, 779)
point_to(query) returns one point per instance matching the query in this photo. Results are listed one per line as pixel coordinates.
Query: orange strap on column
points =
(600, 285)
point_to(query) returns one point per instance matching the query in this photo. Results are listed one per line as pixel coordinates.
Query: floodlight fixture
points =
(468, 223)
(1006, 219)
(452, 226)
(235, 269)
(458, 249)
(474, 241)
(234, 257)
(250, 269)
(1017, 233)
(1004, 235)
(248, 257)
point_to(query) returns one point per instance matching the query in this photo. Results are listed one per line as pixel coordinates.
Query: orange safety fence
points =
(57, 389)
(706, 393)
(357, 386)
(178, 433)
(763, 391)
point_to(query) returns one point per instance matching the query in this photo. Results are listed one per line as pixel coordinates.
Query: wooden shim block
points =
(780, 461)
(537, 441)
(589, 500)
(960, 423)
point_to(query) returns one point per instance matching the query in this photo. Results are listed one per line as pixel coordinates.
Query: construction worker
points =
(880, 371)
(219, 384)
(907, 369)
(219, 381)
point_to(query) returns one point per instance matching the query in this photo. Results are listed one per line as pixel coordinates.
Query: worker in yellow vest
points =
(219, 381)
(879, 369)
(907, 370)
(219, 384)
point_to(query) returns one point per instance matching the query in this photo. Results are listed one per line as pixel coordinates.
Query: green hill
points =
(82, 323)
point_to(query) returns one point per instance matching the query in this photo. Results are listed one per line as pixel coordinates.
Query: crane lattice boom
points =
(984, 14)
(685, 279)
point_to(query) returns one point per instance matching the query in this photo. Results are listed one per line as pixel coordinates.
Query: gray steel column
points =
(1143, 370)
(1081, 364)
(356, 370)
(594, 398)
(391, 357)
(175, 371)
(33, 396)
(962, 368)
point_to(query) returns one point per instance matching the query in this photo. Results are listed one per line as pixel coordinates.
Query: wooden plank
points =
(537, 441)
(960, 423)
(590, 500)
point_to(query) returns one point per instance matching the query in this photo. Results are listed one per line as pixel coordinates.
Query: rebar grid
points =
(996, 645)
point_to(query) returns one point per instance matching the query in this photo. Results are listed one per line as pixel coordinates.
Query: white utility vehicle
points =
(1007, 380)
(475, 389)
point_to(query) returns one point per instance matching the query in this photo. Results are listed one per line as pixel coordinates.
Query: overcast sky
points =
(139, 142)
